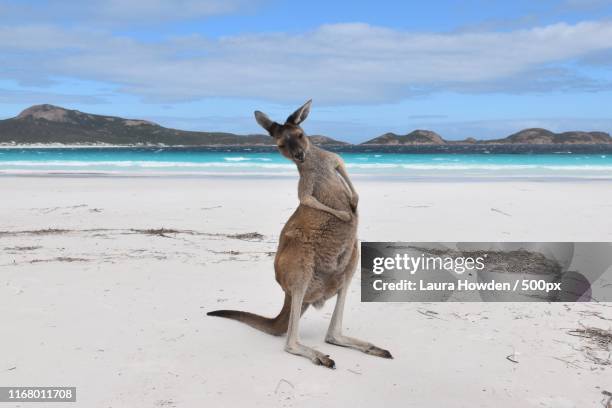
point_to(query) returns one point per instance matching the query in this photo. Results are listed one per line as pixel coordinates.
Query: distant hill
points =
(48, 124)
(468, 140)
(543, 136)
(527, 136)
(324, 140)
(416, 137)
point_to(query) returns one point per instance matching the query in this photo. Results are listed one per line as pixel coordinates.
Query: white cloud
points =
(339, 63)
(116, 12)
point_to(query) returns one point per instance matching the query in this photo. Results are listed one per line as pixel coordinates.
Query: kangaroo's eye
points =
(300, 135)
(281, 146)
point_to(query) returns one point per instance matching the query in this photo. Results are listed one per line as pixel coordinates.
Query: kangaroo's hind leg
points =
(334, 333)
(293, 345)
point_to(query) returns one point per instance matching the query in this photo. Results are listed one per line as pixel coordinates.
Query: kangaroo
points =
(317, 251)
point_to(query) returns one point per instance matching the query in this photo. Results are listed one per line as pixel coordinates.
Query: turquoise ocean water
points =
(550, 162)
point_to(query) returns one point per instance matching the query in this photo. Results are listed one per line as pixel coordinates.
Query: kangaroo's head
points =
(290, 139)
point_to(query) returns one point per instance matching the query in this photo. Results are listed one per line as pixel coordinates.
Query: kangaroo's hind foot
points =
(335, 336)
(368, 348)
(313, 355)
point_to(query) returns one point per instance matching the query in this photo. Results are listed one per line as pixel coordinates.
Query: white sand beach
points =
(105, 282)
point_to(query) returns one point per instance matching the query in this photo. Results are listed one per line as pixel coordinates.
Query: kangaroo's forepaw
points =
(324, 360)
(343, 215)
(377, 351)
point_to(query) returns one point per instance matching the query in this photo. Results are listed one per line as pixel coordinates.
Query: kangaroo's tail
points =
(275, 326)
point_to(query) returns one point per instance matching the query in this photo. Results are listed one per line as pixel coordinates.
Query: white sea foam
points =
(36, 172)
(241, 159)
(141, 163)
(441, 166)
(237, 159)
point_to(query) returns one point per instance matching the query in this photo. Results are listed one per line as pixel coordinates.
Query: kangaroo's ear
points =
(265, 122)
(300, 115)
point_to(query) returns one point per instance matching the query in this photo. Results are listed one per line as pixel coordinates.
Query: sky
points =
(470, 68)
